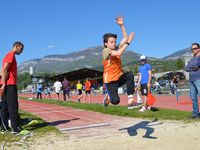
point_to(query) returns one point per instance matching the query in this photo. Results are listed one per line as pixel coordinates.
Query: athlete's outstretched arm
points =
(121, 50)
(120, 21)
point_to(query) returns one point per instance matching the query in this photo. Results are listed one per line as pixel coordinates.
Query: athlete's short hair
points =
(107, 36)
(17, 43)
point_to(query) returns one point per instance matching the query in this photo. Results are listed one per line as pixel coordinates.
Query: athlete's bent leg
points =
(112, 90)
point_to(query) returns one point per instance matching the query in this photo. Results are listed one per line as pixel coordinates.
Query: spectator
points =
(57, 87)
(193, 67)
(144, 83)
(157, 87)
(174, 84)
(39, 91)
(10, 103)
(33, 90)
(66, 89)
(47, 91)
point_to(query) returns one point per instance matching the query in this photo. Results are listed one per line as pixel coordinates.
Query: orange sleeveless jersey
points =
(112, 69)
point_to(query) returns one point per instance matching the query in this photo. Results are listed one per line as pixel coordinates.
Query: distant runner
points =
(88, 87)
(79, 88)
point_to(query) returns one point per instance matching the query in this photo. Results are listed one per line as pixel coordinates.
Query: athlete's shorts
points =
(66, 92)
(144, 89)
(112, 87)
(80, 92)
(87, 92)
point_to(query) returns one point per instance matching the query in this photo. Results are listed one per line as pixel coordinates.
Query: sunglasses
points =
(192, 49)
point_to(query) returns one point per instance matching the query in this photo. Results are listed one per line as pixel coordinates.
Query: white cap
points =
(143, 57)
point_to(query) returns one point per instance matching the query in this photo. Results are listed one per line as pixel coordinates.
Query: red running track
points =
(163, 101)
(71, 120)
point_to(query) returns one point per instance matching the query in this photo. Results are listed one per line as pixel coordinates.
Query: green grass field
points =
(166, 114)
(38, 130)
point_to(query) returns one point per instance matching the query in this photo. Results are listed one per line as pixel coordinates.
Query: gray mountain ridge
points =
(86, 58)
(179, 54)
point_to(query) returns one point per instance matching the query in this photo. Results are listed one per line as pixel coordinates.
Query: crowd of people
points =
(66, 89)
(113, 78)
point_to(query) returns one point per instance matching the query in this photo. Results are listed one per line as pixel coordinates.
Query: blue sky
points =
(62, 26)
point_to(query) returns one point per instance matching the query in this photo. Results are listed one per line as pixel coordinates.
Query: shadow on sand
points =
(44, 124)
(132, 130)
(55, 123)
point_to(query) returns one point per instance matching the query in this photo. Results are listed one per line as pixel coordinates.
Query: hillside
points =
(90, 58)
(179, 54)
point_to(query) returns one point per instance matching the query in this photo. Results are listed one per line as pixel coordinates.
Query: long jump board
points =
(84, 127)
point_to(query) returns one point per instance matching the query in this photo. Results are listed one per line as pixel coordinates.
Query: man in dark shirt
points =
(194, 78)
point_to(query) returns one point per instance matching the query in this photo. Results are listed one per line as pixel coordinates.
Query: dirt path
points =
(165, 135)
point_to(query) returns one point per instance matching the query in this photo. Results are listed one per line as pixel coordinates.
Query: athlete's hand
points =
(2, 90)
(195, 69)
(149, 85)
(130, 37)
(119, 20)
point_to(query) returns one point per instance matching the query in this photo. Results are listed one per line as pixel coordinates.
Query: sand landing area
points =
(133, 134)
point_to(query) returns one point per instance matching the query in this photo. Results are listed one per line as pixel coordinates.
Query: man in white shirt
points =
(57, 86)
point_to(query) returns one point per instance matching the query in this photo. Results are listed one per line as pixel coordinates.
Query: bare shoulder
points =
(106, 52)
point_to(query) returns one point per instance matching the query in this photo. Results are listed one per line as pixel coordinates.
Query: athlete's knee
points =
(115, 101)
(130, 76)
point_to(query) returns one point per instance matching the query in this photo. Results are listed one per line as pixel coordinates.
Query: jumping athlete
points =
(113, 75)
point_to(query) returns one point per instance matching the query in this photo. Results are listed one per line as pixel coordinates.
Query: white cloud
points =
(51, 46)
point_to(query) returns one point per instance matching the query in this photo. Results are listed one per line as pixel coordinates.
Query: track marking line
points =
(84, 127)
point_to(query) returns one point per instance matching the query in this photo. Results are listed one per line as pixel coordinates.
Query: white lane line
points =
(84, 127)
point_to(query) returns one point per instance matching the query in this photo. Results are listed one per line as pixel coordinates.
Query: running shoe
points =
(3, 130)
(32, 123)
(135, 105)
(149, 108)
(106, 101)
(143, 109)
(24, 132)
(20, 131)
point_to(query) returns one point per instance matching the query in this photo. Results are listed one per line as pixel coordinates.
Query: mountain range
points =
(87, 58)
(179, 54)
